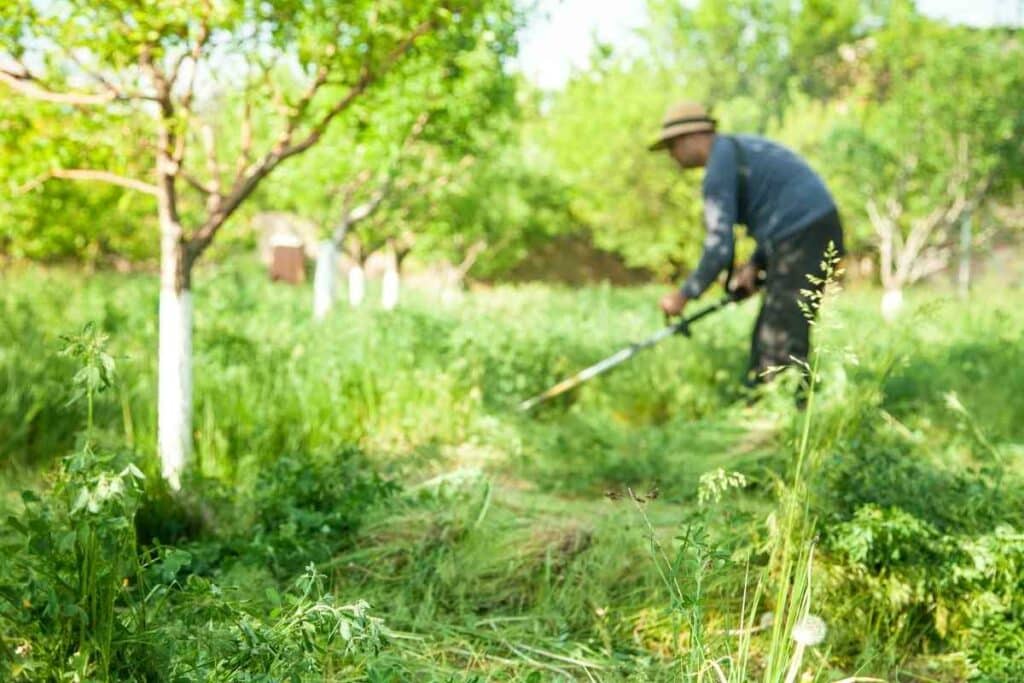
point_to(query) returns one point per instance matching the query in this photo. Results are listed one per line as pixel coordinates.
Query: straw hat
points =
(683, 118)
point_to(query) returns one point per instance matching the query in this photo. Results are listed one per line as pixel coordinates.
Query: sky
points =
(560, 37)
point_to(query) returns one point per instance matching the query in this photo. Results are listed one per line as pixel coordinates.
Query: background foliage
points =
(882, 100)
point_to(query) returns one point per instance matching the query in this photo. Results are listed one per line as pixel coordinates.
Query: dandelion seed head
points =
(810, 630)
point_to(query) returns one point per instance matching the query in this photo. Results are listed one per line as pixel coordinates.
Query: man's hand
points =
(745, 281)
(673, 303)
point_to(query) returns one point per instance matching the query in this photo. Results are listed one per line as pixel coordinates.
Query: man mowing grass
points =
(787, 210)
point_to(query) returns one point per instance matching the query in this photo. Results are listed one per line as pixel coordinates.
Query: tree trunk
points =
(964, 275)
(455, 277)
(892, 303)
(451, 295)
(174, 404)
(888, 254)
(356, 285)
(389, 286)
(324, 279)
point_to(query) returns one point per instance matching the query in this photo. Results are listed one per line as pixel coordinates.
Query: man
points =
(787, 210)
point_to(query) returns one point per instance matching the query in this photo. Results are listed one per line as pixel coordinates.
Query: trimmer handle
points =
(740, 296)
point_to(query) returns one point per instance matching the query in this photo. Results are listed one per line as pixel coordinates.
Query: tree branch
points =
(116, 91)
(195, 53)
(470, 259)
(402, 246)
(884, 228)
(90, 174)
(185, 101)
(245, 139)
(341, 231)
(366, 209)
(920, 232)
(367, 77)
(297, 111)
(246, 184)
(416, 130)
(209, 136)
(27, 85)
(929, 262)
(199, 185)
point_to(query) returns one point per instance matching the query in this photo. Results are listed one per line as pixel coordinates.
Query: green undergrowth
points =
(366, 503)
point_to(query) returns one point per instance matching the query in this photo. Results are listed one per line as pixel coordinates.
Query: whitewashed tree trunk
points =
(389, 287)
(174, 427)
(356, 285)
(174, 381)
(324, 279)
(892, 303)
(891, 256)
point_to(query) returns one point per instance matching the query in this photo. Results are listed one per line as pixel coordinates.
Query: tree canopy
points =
(883, 101)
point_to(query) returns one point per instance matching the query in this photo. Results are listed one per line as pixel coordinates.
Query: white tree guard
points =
(389, 288)
(324, 279)
(356, 286)
(174, 416)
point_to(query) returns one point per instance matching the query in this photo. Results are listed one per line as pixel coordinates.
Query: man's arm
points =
(720, 213)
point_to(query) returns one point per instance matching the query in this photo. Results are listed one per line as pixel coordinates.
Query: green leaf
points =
(82, 501)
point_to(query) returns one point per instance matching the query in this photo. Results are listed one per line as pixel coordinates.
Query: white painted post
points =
(174, 406)
(356, 285)
(324, 279)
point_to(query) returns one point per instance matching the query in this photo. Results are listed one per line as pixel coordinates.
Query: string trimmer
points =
(681, 327)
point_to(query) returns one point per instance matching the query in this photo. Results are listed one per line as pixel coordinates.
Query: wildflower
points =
(810, 631)
(714, 484)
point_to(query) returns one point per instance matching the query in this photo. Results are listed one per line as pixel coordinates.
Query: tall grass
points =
(385, 449)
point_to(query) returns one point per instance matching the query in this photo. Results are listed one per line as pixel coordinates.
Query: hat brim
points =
(672, 132)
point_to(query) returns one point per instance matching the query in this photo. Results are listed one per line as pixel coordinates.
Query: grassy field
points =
(367, 504)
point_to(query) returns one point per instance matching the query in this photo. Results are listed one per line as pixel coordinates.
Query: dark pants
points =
(782, 333)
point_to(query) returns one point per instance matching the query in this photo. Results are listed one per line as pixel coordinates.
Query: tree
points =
(633, 202)
(923, 147)
(376, 186)
(756, 55)
(882, 101)
(298, 67)
(486, 222)
(341, 217)
(749, 60)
